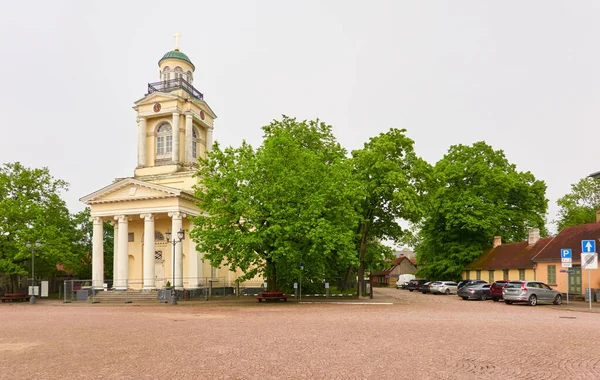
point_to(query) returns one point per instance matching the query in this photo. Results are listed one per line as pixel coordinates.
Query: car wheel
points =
(465, 298)
(532, 300)
(447, 291)
(558, 299)
(484, 297)
(495, 299)
(508, 302)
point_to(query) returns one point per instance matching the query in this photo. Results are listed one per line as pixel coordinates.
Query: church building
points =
(149, 210)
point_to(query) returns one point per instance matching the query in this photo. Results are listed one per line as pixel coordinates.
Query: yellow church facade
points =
(175, 128)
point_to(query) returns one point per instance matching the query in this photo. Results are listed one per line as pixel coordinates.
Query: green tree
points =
(393, 181)
(580, 205)
(477, 194)
(291, 201)
(31, 210)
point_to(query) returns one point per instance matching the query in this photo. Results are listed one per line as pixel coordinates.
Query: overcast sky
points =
(521, 75)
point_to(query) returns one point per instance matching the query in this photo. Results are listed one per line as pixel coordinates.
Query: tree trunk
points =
(271, 275)
(346, 283)
(361, 260)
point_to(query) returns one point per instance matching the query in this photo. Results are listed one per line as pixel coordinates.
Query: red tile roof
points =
(510, 256)
(570, 237)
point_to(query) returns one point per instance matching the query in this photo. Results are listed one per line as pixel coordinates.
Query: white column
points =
(141, 142)
(189, 137)
(193, 260)
(115, 253)
(97, 253)
(209, 139)
(123, 246)
(176, 225)
(175, 156)
(148, 274)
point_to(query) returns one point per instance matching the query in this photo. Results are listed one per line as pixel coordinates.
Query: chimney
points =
(497, 241)
(598, 216)
(534, 236)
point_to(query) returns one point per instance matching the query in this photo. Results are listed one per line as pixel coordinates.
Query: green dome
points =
(176, 54)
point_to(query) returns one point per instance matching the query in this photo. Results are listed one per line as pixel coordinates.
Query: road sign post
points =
(589, 260)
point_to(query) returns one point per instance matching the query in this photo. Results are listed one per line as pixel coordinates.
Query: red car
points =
(496, 290)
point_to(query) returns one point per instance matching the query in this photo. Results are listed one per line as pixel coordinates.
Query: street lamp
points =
(180, 236)
(33, 247)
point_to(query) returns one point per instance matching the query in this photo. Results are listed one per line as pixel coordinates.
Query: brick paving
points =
(418, 337)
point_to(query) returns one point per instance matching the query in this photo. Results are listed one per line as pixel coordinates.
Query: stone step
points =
(122, 297)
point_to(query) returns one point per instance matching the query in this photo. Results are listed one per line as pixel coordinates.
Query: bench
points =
(272, 296)
(15, 297)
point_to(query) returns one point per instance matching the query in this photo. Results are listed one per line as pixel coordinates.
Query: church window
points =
(164, 141)
(158, 255)
(189, 76)
(194, 143)
(158, 236)
(166, 73)
(178, 72)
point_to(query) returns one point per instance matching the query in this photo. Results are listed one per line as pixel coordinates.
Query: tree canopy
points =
(290, 201)
(580, 205)
(476, 194)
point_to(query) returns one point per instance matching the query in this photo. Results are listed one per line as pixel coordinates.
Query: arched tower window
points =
(178, 72)
(189, 78)
(194, 143)
(164, 141)
(166, 73)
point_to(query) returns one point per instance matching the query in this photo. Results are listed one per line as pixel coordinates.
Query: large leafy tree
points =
(290, 201)
(393, 181)
(31, 210)
(580, 205)
(477, 194)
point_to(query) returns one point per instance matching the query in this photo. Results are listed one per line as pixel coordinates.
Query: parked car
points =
(496, 290)
(470, 282)
(443, 287)
(475, 292)
(403, 280)
(415, 284)
(532, 292)
(425, 287)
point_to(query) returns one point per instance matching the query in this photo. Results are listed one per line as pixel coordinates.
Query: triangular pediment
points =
(156, 97)
(131, 189)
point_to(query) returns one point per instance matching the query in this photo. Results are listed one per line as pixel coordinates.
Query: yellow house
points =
(175, 127)
(550, 267)
(512, 261)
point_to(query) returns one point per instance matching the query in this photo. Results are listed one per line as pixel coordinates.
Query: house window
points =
(213, 272)
(522, 274)
(552, 274)
(478, 275)
(467, 275)
(491, 276)
(130, 237)
(505, 274)
(164, 142)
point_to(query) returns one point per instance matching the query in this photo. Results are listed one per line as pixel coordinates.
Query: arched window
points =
(158, 236)
(178, 72)
(194, 143)
(189, 77)
(166, 73)
(164, 141)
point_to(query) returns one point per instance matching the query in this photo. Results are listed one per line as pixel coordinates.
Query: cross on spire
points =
(177, 35)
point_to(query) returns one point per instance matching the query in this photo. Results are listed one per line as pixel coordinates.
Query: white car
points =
(443, 287)
(403, 280)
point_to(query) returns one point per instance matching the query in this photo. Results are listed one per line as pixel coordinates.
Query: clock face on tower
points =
(156, 107)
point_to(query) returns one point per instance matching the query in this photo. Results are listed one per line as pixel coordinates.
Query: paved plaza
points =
(416, 337)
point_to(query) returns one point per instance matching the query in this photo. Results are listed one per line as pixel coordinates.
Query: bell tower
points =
(175, 124)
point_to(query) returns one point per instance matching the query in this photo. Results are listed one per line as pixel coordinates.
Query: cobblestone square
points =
(416, 337)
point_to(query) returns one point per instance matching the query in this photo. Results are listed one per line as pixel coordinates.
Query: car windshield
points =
(513, 285)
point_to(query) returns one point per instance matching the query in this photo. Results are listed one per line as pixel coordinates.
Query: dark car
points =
(496, 290)
(470, 282)
(425, 288)
(415, 284)
(475, 292)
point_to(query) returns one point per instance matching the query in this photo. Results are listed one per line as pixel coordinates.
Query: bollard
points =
(326, 290)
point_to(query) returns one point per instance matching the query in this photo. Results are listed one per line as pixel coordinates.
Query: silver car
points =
(443, 287)
(532, 292)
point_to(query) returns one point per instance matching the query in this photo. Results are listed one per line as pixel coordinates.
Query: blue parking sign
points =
(566, 253)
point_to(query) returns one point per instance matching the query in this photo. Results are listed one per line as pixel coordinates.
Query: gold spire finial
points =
(177, 40)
